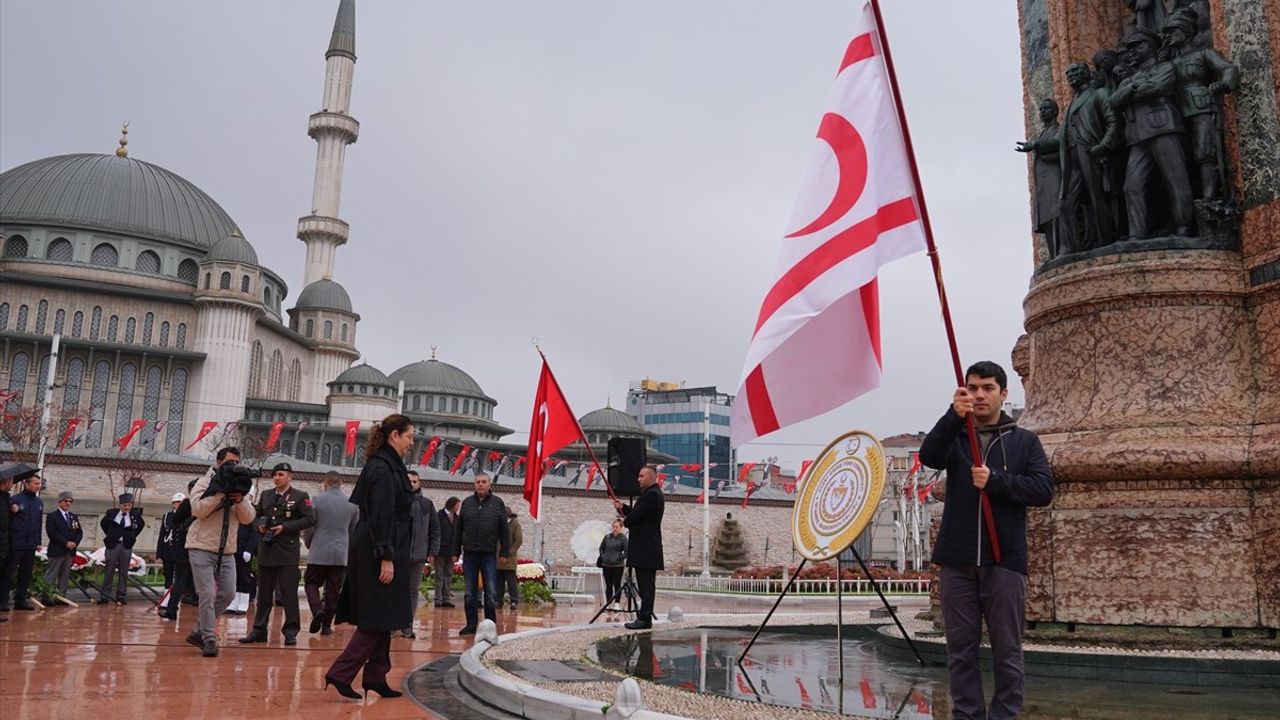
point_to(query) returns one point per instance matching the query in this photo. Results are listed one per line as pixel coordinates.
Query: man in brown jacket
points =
(211, 543)
(507, 565)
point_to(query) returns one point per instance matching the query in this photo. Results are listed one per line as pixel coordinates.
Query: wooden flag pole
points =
(985, 508)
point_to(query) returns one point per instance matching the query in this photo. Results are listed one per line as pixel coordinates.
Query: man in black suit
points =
(444, 563)
(120, 529)
(644, 546)
(64, 531)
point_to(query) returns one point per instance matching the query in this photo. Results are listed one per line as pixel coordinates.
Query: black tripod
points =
(632, 593)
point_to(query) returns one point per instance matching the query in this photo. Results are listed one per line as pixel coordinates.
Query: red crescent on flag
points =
(851, 156)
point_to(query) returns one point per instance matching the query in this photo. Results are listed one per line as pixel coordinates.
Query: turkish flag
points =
(206, 427)
(751, 487)
(702, 498)
(591, 474)
(353, 427)
(134, 427)
(274, 437)
(552, 428)
(493, 456)
(66, 436)
(430, 450)
(816, 342)
(462, 457)
(745, 471)
(804, 467)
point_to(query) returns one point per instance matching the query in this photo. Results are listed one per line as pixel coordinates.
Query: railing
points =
(801, 587)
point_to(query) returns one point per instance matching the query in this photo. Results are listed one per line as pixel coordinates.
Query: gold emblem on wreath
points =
(837, 497)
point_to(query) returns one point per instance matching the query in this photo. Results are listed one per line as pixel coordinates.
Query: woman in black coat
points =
(375, 596)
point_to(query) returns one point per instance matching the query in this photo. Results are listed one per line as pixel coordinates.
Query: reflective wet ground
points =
(803, 671)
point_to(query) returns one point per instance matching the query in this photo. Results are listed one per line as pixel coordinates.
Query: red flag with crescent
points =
(745, 471)
(353, 427)
(591, 474)
(134, 427)
(274, 437)
(72, 424)
(206, 427)
(461, 458)
(493, 456)
(816, 341)
(552, 428)
(430, 450)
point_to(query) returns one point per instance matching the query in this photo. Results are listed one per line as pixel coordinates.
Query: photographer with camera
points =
(218, 498)
(283, 513)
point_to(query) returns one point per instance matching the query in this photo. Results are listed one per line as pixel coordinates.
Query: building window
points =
(255, 369)
(188, 271)
(113, 328)
(344, 332)
(15, 247)
(148, 262)
(295, 380)
(311, 452)
(164, 334)
(151, 403)
(148, 324)
(4, 316)
(453, 405)
(274, 390)
(224, 283)
(77, 324)
(60, 250)
(244, 284)
(181, 341)
(311, 328)
(286, 447)
(266, 296)
(325, 451)
(124, 397)
(59, 320)
(208, 277)
(19, 365)
(130, 329)
(417, 403)
(105, 255)
(21, 325)
(328, 329)
(42, 316)
(431, 403)
(177, 410)
(71, 393)
(98, 403)
(95, 323)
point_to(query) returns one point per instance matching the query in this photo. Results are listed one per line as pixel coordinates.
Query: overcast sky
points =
(612, 178)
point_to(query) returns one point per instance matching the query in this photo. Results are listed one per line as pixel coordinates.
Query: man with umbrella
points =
(25, 513)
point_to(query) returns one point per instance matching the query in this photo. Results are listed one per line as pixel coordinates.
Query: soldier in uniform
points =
(1048, 175)
(283, 512)
(120, 529)
(1203, 77)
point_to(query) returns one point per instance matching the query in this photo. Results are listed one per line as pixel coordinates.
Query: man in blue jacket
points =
(1015, 474)
(26, 520)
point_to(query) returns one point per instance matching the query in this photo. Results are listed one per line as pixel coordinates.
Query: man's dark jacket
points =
(426, 530)
(294, 513)
(26, 525)
(61, 532)
(446, 531)
(644, 520)
(1020, 477)
(113, 533)
(4, 522)
(482, 526)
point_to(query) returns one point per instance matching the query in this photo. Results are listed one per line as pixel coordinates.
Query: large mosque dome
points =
(435, 376)
(115, 194)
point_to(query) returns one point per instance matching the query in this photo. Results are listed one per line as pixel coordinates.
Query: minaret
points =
(333, 129)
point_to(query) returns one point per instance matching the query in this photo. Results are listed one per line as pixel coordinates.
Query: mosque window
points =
(431, 403)
(344, 332)
(124, 397)
(98, 403)
(164, 334)
(4, 316)
(266, 296)
(95, 323)
(180, 341)
(325, 451)
(244, 284)
(21, 325)
(274, 389)
(224, 283)
(417, 403)
(311, 328)
(360, 454)
(295, 380)
(364, 389)
(130, 329)
(286, 447)
(147, 262)
(59, 321)
(255, 369)
(177, 410)
(453, 405)
(151, 402)
(189, 271)
(311, 452)
(77, 324)
(328, 329)
(15, 247)
(113, 328)
(71, 388)
(60, 250)
(19, 365)
(42, 316)
(105, 255)
(148, 323)
(207, 278)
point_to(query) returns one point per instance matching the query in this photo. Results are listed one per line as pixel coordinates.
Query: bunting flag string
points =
(745, 471)
(71, 428)
(461, 458)
(134, 427)
(274, 437)
(429, 451)
(206, 427)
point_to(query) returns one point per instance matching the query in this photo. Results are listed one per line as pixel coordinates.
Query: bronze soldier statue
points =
(1203, 77)
(1088, 136)
(1147, 14)
(1154, 132)
(1048, 175)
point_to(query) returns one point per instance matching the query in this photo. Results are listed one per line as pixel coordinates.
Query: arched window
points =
(71, 392)
(328, 329)
(181, 341)
(360, 454)
(344, 332)
(19, 366)
(147, 262)
(255, 370)
(42, 316)
(266, 296)
(4, 316)
(15, 247)
(188, 271)
(113, 328)
(417, 403)
(21, 324)
(311, 328)
(286, 447)
(77, 324)
(95, 323)
(453, 405)
(224, 282)
(105, 255)
(59, 321)
(60, 250)
(151, 402)
(276, 369)
(295, 380)
(208, 278)
(431, 403)
(148, 323)
(244, 284)
(311, 452)
(177, 410)
(130, 329)
(124, 398)
(98, 403)
(164, 334)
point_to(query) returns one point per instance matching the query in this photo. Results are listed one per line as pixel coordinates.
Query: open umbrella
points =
(17, 471)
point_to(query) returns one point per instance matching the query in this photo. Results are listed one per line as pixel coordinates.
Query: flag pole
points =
(985, 508)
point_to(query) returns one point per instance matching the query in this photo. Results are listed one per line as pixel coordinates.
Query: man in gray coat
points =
(327, 552)
(426, 543)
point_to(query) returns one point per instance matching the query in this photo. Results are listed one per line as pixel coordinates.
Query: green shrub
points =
(533, 592)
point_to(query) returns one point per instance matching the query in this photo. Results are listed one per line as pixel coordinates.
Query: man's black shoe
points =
(318, 621)
(254, 636)
(168, 615)
(468, 630)
(638, 625)
(24, 605)
(210, 648)
(326, 630)
(290, 640)
(447, 604)
(193, 638)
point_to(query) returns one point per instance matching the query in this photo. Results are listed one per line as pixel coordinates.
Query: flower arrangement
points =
(530, 571)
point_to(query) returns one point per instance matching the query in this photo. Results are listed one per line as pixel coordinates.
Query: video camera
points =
(232, 477)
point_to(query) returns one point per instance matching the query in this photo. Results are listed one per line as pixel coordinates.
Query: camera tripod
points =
(632, 593)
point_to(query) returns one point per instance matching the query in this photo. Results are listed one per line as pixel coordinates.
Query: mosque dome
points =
(610, 421)
(435, 376)
(324, 295)
(363, 374)
(233, 248)
(112, 193)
